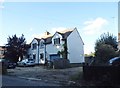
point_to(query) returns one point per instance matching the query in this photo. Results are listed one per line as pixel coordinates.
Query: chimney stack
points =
(47, 33)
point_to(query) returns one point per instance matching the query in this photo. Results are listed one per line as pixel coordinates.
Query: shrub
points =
(104, 53)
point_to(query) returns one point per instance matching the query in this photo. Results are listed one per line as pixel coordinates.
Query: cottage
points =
(66, 44)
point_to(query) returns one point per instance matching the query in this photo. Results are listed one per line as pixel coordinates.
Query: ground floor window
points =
(34, 56)
(28, 56)
(42, 56)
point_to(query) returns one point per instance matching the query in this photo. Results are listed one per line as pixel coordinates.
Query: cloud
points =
(94, 26)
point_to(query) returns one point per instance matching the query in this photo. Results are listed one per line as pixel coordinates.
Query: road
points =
(15, 81)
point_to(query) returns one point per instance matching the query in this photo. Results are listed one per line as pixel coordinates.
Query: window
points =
(41, 56)
(41, 44)
(57, 41)
(1, 52)
(34, 56)
(34, 46)
(28, 56)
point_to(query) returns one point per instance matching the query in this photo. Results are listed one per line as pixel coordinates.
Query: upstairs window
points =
(41, 44)
(1, 52)
(34, 46)
(57, 41)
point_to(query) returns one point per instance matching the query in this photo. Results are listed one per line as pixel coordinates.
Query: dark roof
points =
(28, 46)
(37, 39)
(2, 47)
(66, 34)
(48, 39)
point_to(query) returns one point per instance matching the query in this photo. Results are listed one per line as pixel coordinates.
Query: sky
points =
(34, 18)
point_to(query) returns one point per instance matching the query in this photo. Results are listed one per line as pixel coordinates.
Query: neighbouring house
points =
(49, 47)
(2, 51)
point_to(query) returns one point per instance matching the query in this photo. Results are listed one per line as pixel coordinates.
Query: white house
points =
(49, 46)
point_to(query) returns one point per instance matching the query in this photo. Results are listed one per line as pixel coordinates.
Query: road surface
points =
(15, 81)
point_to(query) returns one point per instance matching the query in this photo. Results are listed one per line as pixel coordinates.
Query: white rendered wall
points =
(34, 51)
(75, 47)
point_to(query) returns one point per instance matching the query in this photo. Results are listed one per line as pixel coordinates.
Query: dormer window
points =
(41, 44)
(57, 41)
(34, 46)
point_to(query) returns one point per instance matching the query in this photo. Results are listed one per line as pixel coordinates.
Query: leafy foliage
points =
(104, 53)
(16, 48)
(105, 48)
(64, 51)
(108, 39)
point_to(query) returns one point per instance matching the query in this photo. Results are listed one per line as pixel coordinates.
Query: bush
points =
(104, 53)
(105, 48)
(60, 63)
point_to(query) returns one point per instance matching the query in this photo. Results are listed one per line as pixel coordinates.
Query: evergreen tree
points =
(16, 47)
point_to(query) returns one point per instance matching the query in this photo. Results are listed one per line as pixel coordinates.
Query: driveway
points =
(40, 73)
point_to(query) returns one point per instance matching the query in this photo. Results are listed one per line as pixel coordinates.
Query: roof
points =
(48, 37)
(43, 35)
(2, 48)
(65, 33)
(37, 39)
(48, 40)
(28, 46)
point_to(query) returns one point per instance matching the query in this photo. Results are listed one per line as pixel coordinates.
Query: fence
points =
(3, 68)
(108, 73)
